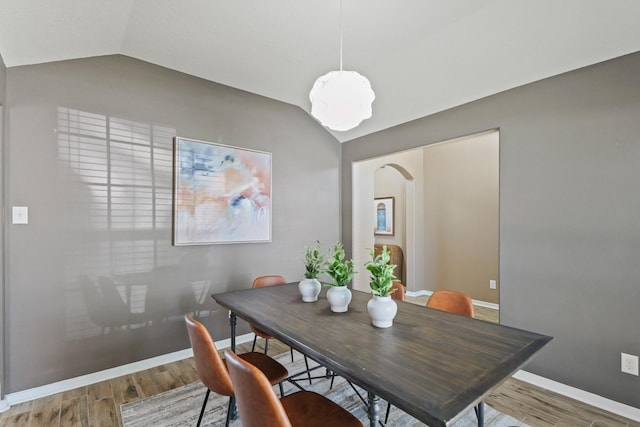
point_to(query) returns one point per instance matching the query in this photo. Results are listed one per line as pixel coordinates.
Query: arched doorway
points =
(393, 185)
(404, 166)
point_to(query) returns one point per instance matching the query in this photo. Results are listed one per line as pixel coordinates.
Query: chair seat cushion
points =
(309, 409)
(260, 333)
(273, 370)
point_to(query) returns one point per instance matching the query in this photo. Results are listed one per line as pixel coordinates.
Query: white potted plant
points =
(310, 286)
(381, 307)
(341, 272)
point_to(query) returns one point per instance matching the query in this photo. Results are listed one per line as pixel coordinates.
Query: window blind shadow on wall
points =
(118, 197)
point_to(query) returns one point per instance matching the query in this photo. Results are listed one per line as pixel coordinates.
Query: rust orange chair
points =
(260, 407)
(261, 282)
(212, 369)
(400, 293)
(459, 303)
(451, 301)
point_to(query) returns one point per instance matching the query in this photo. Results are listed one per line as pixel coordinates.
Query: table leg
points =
(232, 411)
(374, 409)
(232, 322)
(480, 414)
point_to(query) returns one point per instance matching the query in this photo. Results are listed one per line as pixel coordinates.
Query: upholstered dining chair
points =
(261, 282)
(400, 292)
(260, 407)
(452, 301)
(212, 369)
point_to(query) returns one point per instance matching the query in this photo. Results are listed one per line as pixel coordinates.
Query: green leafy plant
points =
(339, 269)
(382, 276)
(313, 261)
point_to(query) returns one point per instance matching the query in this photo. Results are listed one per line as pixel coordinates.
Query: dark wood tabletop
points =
(431, 364)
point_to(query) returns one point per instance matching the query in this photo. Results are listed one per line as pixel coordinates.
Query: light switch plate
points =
(629, 363)
(20, 215)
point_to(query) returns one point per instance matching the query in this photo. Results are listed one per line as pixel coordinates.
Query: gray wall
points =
(93, 281)
(569, 214)
(3, 78)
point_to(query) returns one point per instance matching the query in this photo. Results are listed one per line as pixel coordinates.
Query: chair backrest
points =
(397, 258)
(400, 292)
(262, 281)
(257, 402)
(209, 364)
(451, 301)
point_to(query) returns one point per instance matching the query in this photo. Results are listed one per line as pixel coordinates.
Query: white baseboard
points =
(580, 395)
(475, 302)
(491, 305)
(418, 293)
(95, 377)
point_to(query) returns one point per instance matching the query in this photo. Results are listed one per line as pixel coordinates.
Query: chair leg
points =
(306, 362)
(386, 417)
(230, 410)
(204, 405)
(281, 389)
(253, 347)
(333, 377)
(291, 350)
(266, 346)
(480, 413)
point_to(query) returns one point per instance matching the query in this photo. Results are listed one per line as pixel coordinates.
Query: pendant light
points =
(341, 100)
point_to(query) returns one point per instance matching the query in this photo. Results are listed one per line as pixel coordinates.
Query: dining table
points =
(431, 364)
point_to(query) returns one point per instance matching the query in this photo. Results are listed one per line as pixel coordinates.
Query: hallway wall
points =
(461, 216)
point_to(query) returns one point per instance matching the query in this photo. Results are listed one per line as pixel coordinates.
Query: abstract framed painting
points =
(221, 194)
(384, 207)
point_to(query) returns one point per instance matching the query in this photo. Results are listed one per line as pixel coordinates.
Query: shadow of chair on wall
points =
(106, 308)
(143, 300)
(171, 293)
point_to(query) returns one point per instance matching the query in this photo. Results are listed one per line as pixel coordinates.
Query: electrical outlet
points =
(492, 284)
(629, 363)
(20, 215)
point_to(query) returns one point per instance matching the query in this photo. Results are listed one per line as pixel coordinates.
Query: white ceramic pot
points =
(309, 289)
(382, 311)
(339, 298)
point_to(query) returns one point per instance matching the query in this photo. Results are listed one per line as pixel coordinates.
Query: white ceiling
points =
(421, 56)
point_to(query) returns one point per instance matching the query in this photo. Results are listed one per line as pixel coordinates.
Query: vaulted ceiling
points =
(421, 56)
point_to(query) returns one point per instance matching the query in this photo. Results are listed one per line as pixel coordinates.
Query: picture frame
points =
(385, 216)
(221, 194)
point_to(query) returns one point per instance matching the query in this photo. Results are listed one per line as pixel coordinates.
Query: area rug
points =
(181, 406)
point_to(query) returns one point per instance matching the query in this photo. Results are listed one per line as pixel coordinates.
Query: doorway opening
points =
(446, 207)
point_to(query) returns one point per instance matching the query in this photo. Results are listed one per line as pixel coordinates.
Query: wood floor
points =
(98, 405)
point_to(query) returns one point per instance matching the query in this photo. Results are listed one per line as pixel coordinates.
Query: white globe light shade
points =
(341, 100)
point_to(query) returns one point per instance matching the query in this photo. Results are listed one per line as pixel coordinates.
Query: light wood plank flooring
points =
(98, 405)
